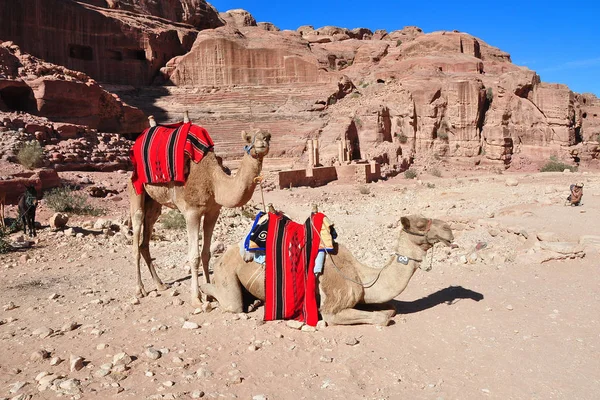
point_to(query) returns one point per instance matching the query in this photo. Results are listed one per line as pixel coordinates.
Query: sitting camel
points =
(207, 189)
(345, 281)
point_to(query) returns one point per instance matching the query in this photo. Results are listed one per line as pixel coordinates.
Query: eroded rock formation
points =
(446, 94)
(30, 85)
(405, 95)
(110, 45)
(197, 13)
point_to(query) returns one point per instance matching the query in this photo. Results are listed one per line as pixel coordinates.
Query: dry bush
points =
(557, 166)
(66, 200)
(173, 220)
(5, 247)
(410, 174)
(30, 154)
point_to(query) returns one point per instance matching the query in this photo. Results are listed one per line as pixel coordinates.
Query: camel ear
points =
(405, 222)
(267, 136)
(246, 136)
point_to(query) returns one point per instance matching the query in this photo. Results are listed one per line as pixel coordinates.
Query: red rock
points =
(116, 46)
(238, 18)
(198, 13)
(65, 95)
(253, 57)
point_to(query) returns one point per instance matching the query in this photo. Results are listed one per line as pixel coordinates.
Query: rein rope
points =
(374, 280)
(259, 180)
(250, 146)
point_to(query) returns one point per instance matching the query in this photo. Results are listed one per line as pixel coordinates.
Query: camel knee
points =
(194, 261)
(209, 289)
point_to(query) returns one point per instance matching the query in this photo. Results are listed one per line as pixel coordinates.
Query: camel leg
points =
(136, 207)
(152, 212)
(192, 222)
(352, 316)
(226, 287)
(2, 225)
(208, 225)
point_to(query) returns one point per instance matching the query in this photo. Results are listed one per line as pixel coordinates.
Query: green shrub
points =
(410, 174)
(398, 42)
(30, 154)
(402, 138)
(431, 185)
(357, 122)
(5, 247)
(435, 172)
(557, 166)
(66, 200)
(442, 135)
(172, 220)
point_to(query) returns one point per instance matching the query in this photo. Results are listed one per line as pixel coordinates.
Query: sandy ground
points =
(503, 325)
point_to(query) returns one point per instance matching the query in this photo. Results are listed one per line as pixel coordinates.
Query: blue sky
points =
(558, 40)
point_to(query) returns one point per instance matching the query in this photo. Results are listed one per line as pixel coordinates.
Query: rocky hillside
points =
(397, 97)
(63, 96)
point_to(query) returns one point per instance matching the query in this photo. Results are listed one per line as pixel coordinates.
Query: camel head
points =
(258, 143)
(425, 232)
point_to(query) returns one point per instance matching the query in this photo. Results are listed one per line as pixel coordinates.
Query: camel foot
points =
(255, 304)
(140, 292)
(385, 317)
(207, 289)
(161, 287)
(196, 302)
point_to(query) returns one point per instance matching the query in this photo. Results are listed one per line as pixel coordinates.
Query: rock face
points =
(446, 94)
(110, 45)
(62, 95)
(238, 18)
(14, 186)
(197, 13)
(404, 96)
(227, 56)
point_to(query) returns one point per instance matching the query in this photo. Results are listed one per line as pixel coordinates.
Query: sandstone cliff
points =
(442, 94)
(391, 96)
(30, 85)
(197, 13)
(109, 45)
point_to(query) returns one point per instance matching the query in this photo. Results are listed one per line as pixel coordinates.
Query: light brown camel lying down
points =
(345, 281)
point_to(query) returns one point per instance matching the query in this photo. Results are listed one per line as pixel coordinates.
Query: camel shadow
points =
(448, 295)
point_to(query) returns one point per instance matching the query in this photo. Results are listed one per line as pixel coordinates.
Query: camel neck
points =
(394, 277)
(235, 191)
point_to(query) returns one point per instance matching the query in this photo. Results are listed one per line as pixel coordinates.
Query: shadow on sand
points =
(449, 296)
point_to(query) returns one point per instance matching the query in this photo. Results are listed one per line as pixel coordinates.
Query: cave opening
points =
(17, 98)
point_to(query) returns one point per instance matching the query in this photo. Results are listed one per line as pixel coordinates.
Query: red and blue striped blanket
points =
(290, 284)
(158, 154)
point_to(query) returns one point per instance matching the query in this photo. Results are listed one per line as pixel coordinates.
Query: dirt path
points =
(503, 326)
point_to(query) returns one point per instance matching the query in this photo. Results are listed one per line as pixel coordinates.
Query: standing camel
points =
(208, 188)
(345, 281)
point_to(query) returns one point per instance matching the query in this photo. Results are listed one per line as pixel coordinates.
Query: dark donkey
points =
(27, 205)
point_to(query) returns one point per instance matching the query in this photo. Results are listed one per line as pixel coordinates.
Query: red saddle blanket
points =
(158, 154)
(290, 284)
